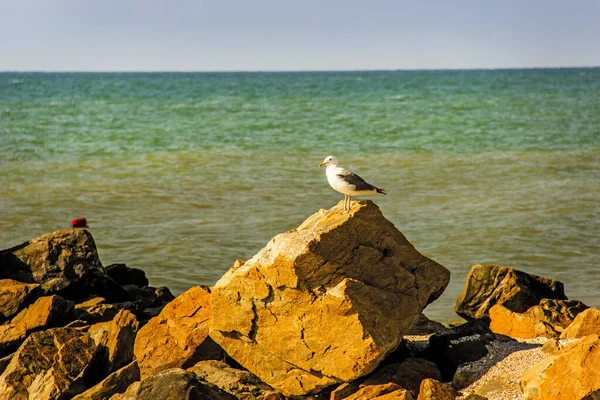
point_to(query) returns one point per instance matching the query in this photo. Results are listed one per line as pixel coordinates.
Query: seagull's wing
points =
(352, 179)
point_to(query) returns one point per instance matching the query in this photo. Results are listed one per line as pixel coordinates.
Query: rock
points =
(15, 295)
(408, 374)
(324, 303)
(124, 275)
(64, 262)
(98, 283)
(344, 390)
(552, 346)
(4, 361)
(150, 297)
(425, 326)
(381, 391)
(177, 384)
(475, 396)
(130, 393)
(95, 310)
(178, 336)
(571, 374)
(56, 260)
(458, 345)
(488, 285)
(436, 390)
(558, 313)
(11, 337)
(46, 312)
(464, 377)
(51, 364)
(518, 325)
(115, 340)
(586, 323)
(239, 383)
(117, 382)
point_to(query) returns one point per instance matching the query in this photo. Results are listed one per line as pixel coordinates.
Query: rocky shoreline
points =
(329, 310)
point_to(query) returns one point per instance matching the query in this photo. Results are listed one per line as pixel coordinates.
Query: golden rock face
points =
(178, 335)
(586, 323)
(326, 302)
(570, 374)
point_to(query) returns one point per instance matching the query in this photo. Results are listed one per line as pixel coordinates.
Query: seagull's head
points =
(331, 160)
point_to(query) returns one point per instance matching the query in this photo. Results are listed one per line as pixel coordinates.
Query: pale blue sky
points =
(250, 35)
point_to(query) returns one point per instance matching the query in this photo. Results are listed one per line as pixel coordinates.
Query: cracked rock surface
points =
(326, 302)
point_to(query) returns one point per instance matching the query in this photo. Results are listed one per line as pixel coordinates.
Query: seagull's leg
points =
(349, 203)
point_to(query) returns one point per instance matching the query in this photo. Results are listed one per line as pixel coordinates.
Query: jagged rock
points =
(586, 323)
(571, 374)
(464, 377)
(453, 347)
(475, 396)
(432, 389)
(98, 283)
(178, 384)
(50, 364)
(56, 260)
(239, 383)
(488, 285)
(326, 302)
(129, 394)
(150, 297)
(4, 361)
(519, 325)
(117, 382)
(382, 391)
(46, 312)
(552, 346)
(558, 313)
(115, 340)
(344, 390)
(64, 262)
(11, 337)
(15, 295)
(408, 374)
(178, 336)
(124, 275)
(95, 310)
(425, 326)
(78, 324)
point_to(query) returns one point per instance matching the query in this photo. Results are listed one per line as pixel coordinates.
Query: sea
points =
(181, 174)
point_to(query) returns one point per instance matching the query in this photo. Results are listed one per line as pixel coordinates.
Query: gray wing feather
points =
(358, 182)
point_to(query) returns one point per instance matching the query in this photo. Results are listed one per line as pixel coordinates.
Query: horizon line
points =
(303, 70)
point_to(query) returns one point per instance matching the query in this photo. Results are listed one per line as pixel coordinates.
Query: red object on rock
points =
(79, 223)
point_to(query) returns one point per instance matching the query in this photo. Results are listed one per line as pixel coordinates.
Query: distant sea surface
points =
(180, 174)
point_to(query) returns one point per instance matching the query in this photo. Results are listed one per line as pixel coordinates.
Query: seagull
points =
(346, 182)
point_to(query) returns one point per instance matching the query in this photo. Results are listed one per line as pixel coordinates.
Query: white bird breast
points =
(341, 185)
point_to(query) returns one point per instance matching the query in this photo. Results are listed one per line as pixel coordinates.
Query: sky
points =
(283, 35)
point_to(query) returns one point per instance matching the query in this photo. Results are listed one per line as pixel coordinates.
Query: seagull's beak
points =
(322, 163)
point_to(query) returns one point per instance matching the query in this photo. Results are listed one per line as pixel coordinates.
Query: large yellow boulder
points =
(178, 336)
(571, 374)
(586, 323)
(326, 302)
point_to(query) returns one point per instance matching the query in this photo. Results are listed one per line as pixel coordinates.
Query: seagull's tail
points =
(380, 190)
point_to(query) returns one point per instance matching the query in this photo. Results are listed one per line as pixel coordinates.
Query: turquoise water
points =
(183, 173)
